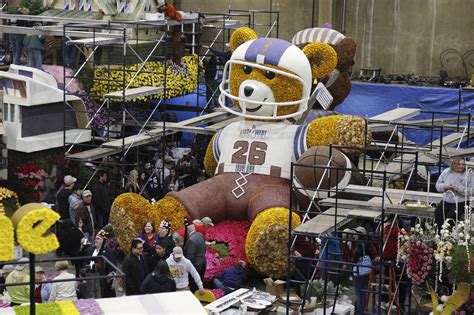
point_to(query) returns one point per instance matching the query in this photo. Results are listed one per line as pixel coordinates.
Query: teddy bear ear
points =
(322, 57)
(240, 36)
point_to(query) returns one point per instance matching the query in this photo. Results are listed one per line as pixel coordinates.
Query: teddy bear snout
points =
(248, 90)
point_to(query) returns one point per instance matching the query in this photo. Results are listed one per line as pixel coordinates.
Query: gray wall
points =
(400, 36)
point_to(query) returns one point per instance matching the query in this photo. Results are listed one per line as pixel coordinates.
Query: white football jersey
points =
(259, 148)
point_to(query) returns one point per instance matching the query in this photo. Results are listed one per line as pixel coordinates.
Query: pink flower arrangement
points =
(31, 176)
(232, 233)
(217, 293)
(420, 258)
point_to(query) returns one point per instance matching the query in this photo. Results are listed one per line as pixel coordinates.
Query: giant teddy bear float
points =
(269, 82)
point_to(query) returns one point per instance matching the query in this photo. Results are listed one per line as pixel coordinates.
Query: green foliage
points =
(316, 288)
(223, 249)
(35, 7)
(460, 262)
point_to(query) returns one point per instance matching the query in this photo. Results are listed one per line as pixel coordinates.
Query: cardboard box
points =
(274, 287)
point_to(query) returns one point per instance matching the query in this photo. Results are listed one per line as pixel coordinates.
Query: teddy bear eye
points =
(269, 74)
(247, 69)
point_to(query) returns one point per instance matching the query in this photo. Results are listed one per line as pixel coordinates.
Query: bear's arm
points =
(320, 132)
(210, 162)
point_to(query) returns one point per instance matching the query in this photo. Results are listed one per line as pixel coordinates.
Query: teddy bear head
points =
(270, 78)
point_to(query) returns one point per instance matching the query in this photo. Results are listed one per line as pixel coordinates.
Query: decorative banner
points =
(32, 222)
(6, 239)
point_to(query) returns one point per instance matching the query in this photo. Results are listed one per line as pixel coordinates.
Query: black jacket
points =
(62, 202)
(155, 283)
(135, 270)
(101, 198)
(169, 244)
(82, 213)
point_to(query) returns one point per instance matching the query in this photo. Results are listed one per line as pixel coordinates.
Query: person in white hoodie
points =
(180, 268)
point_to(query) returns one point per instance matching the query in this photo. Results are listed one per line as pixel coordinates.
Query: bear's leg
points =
(197, 201)
(266, 245)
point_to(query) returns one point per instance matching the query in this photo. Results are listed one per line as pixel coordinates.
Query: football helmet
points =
(255, 98)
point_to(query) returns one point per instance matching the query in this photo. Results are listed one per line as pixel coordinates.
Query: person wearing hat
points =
(181, 268)
(4, 272)
(164, 236)
(85, 215)
(42, 290)
(75, 199)
(62, 196)
(20, 293)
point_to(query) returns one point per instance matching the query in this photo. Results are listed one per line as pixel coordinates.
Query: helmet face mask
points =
(255, 99)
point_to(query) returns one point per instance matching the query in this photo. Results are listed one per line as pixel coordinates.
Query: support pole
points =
(32, 284)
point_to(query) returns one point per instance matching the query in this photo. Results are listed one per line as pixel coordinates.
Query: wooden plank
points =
(323, 222)
(135, 92)
(96, 41)
(364, 214)
(393, 194)
(397, 114)
(413, 212)
(92, 154)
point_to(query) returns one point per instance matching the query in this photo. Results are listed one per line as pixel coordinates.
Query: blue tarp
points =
(369, 99)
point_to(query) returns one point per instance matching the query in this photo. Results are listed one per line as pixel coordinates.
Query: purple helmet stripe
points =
(271, 48)
(275, 52)
(254, 49)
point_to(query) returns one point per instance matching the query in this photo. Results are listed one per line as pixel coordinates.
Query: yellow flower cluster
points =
(128, 215)
(321, 131)
(338, 130)
(210, 163)
(7, 239)
(130, 212)
(6, 194)
(240, 36)
(350, 131)
(169, 209)
(322, 57)
(68, 307)
(266, 243)
(33, 222)
(180, 80)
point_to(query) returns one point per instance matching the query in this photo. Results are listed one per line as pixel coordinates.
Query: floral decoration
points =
(128, 214)
(350, 131)
(217, 293)
(88, 306)
(233, 234)
(210, 163)
(43, 308)
(420, 257)
(270, 230)
(338, 130)
(68, 307)
(448, 237)
(83, 307)
(8, 201)
(31, 225)
(240, 36)
(31, 176)
(181, 78)
(323, 58)
(7, 239)
(169, 209)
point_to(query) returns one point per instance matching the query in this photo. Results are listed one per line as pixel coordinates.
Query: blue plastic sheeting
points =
(368, 99)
